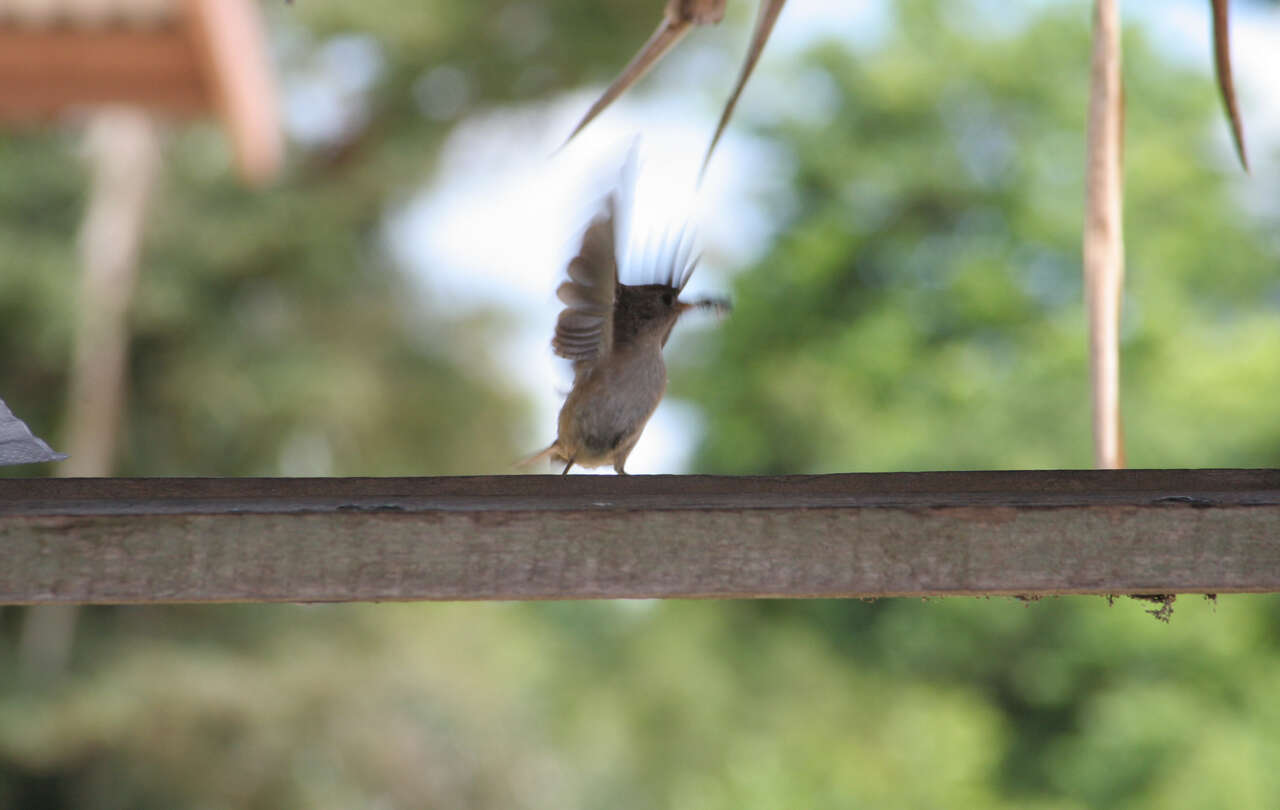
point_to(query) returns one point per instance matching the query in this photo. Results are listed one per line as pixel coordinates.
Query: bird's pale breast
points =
(610, 405)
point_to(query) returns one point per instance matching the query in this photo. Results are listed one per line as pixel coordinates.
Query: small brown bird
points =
(614, 334)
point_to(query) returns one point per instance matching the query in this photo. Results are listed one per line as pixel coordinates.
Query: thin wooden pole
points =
(1104, 233)
(122, 148)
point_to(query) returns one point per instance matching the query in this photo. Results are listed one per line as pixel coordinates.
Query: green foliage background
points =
(920, 309)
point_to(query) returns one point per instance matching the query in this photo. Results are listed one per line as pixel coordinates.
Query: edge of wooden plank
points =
(550, 492)
(587, 537)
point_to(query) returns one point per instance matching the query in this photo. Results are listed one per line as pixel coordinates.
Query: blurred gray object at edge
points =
(17, 443)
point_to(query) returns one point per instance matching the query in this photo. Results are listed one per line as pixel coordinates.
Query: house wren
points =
(614, 334)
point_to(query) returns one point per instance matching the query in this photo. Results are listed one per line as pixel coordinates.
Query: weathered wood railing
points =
(587, 537)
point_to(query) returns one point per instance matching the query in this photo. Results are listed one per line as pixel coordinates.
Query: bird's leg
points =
(620, 455)
(566, 467)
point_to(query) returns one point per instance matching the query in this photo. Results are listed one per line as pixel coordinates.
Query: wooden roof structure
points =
(180, 58)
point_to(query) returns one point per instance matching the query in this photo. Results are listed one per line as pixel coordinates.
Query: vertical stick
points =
(123, 155)
(1104, 233)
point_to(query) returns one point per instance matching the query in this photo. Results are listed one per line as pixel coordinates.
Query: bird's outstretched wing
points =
(584, 331)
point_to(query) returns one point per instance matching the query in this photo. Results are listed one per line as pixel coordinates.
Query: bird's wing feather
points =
(584, 331)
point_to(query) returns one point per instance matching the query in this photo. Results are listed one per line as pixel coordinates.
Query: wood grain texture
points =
(582, 537)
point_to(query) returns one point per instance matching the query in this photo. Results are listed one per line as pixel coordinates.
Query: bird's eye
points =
(667, 298)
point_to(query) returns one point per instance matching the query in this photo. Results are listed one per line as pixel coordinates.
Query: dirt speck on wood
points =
(1164, 600)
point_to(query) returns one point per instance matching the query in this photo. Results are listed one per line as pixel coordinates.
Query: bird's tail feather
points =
(552, 451)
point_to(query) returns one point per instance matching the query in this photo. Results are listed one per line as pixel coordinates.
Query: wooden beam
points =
(45, 72)
(229, 38)
(584, 537)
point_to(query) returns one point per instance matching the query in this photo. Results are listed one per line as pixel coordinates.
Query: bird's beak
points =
(719, 306)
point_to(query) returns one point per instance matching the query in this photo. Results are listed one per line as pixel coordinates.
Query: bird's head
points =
(650, 311)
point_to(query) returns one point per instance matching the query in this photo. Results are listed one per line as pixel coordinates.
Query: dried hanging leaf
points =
(1222, 67)
(769, 11)
(677, 18)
